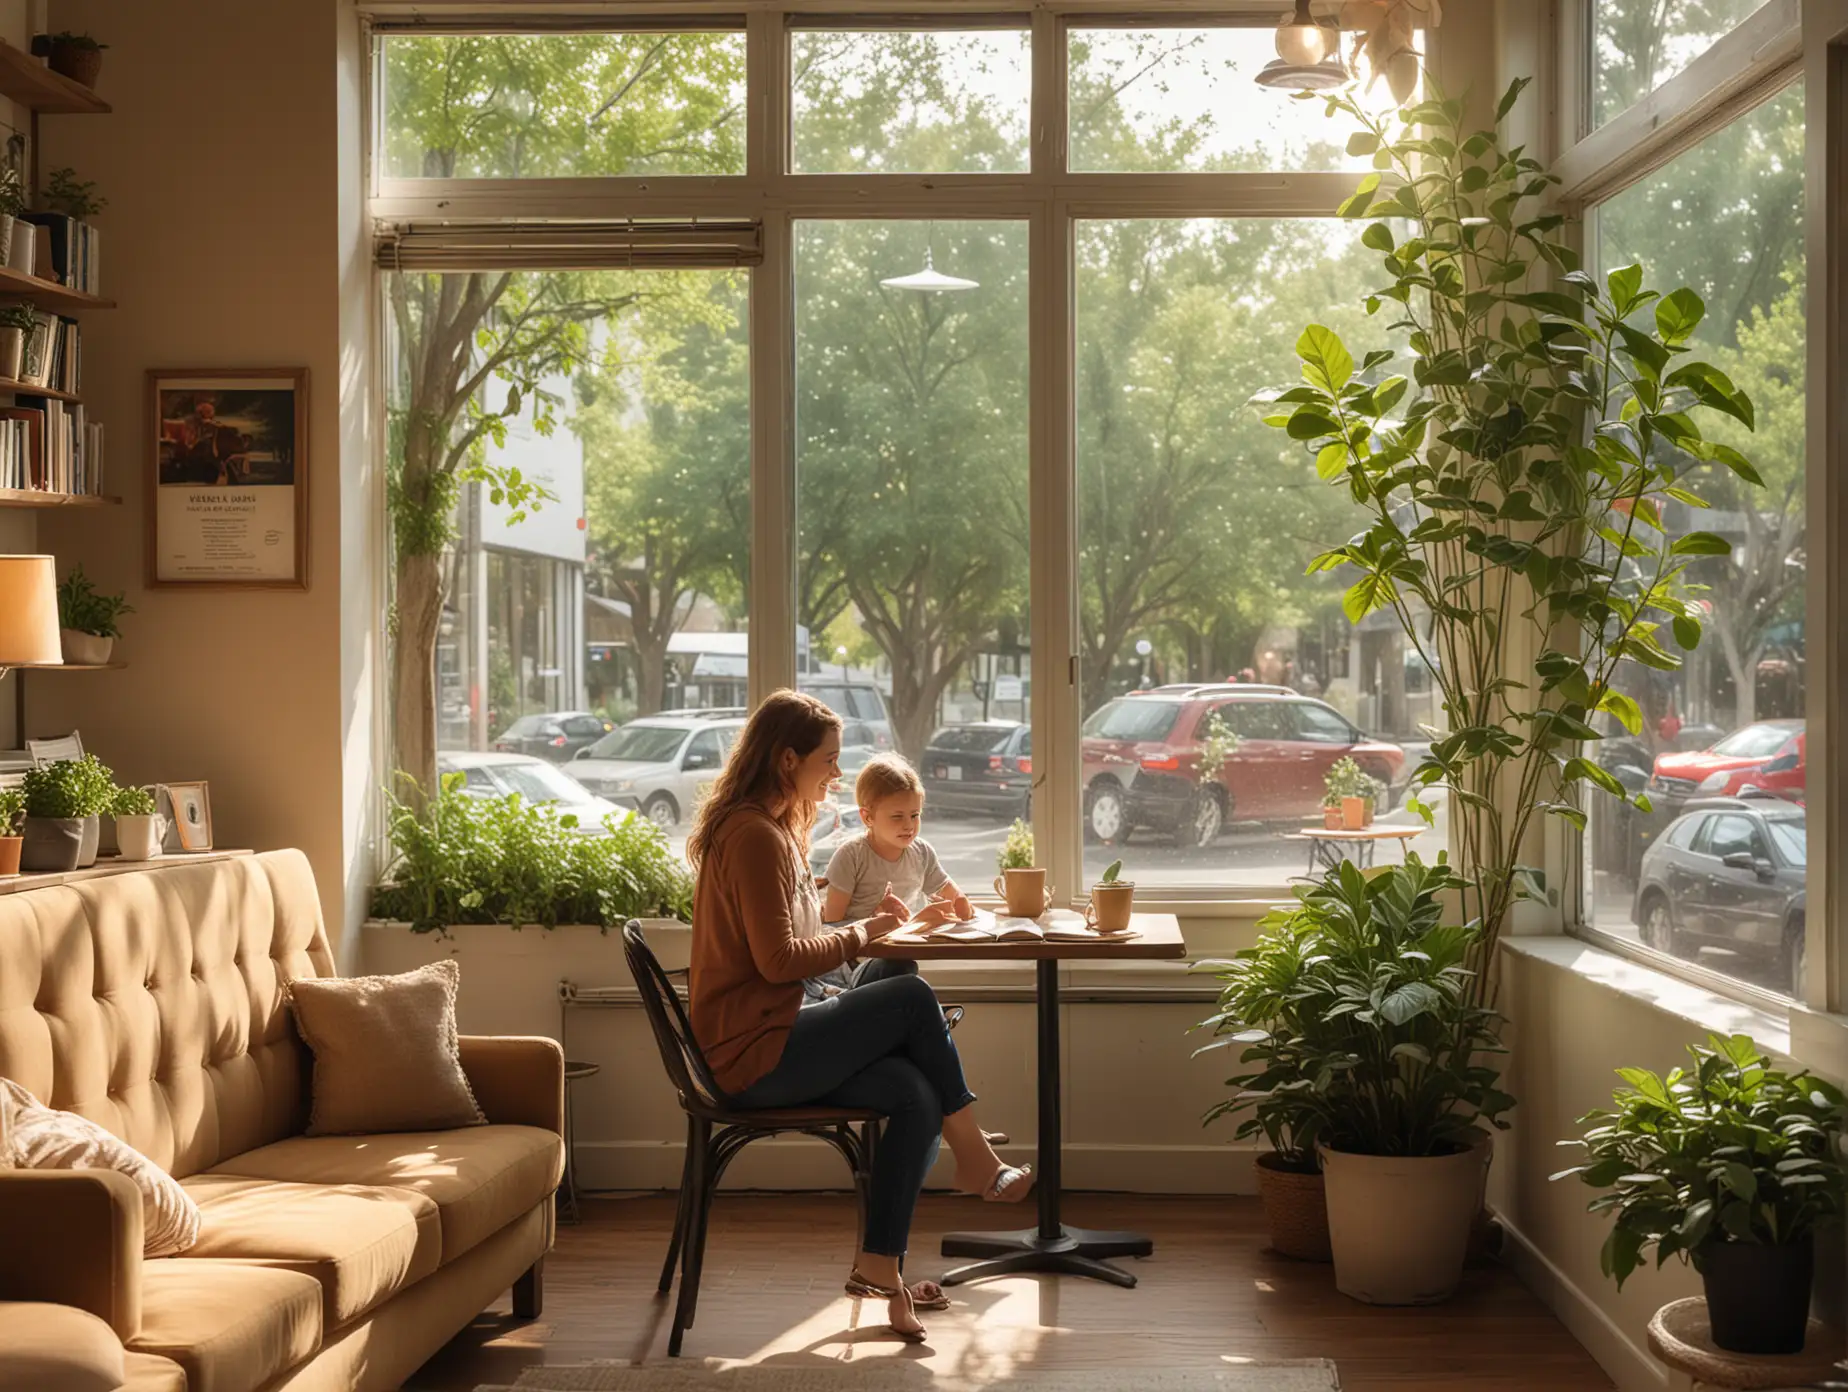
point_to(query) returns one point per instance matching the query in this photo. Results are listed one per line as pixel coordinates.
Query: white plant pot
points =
(1399, 1225)
(139, 838)
(12, 351)
(85, 649)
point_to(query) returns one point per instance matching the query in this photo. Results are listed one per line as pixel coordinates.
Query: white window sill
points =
(1705, 1010)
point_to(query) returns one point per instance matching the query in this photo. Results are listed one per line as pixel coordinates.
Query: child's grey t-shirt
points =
(863, 873)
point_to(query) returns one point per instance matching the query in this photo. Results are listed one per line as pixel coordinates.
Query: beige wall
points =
(18, 527)
(223, 168)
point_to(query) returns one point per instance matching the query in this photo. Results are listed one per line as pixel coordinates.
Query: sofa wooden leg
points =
(529, 1292)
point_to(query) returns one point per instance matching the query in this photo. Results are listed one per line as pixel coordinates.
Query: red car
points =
(1142, 760)
(1768, 755)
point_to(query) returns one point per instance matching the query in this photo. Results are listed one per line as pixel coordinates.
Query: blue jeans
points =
(882, 1046)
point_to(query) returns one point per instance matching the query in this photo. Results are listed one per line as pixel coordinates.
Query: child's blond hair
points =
(883, 776)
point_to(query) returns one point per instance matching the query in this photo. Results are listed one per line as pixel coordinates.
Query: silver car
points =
(662, 764)
(493, 775)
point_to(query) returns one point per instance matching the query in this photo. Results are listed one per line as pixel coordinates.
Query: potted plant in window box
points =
(523, 895)
(138, 827)
(1733, 1165)
(1396, 1076)
(12, 828)
(1020, 883)
(1257, 1013)
(87, 619)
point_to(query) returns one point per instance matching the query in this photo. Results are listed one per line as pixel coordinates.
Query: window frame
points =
(1046, 196)
(1781, 43)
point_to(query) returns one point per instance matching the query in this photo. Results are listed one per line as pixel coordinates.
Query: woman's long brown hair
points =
(786, 720)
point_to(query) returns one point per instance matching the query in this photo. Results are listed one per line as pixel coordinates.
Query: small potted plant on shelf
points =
(12, 204)
(76, 56)
(1112, 900)
(87, 619)
(138, 829)
(16, 323)
(75, 198)
(64, 801)
(1019, 883)
(12, 829)
(1257, 1012)
(1732, 1165)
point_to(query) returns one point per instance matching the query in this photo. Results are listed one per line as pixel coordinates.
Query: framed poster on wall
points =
(228, 484)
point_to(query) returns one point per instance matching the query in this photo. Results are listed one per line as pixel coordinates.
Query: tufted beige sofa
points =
(152, 1003)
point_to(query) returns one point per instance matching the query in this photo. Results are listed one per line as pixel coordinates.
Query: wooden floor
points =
(1211, 1292)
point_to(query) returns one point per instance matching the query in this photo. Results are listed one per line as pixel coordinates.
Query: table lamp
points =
(28, 613)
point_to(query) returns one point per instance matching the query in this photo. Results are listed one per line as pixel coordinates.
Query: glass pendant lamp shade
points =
(1301, 42)
(28, 612)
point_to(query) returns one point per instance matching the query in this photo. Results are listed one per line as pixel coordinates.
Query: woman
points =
(757, 934)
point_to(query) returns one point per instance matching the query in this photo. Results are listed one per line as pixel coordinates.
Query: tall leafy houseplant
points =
(1731, 1164)
(1515, 479)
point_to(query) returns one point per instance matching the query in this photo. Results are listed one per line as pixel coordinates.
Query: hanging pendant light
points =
(1308, 55)
(929, 279)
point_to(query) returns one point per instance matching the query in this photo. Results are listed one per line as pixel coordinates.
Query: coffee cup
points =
(1025, 891)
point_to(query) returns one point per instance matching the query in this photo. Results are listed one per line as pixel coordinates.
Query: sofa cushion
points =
(481, 1178)
(229, 1325)
(57, 1348)
(362, 1244)
(148, 1372)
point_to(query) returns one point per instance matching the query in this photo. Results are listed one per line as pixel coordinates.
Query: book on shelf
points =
(22, 445)
(70, 454)
(71, 251)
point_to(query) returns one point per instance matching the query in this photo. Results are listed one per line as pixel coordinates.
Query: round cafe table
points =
(1329, 846)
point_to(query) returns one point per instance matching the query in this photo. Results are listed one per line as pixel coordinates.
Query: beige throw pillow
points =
(385, 1055)
(39, 1138)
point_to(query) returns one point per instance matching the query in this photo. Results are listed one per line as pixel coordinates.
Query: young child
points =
(888, 868)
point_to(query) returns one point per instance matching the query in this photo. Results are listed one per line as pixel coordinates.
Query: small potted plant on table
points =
(1021, 884)
(64, 801)
(87, 619)
(1112, 900)
(1353, 791)
(12, 828)
(138, 831)
(1732, 1165)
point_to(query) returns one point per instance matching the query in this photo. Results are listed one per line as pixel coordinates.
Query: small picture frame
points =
(192, 815)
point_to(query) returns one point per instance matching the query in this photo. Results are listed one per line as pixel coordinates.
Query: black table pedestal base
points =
(1077, 1252)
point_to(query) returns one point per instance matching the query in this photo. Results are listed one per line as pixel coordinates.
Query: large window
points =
(911, 459)
(1220, 682)
(1714, 874)
(1637, 45)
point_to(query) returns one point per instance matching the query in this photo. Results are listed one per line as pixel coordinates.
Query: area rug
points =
(901, 1375)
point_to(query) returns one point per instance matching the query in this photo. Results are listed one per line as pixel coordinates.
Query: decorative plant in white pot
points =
(138, 827)
(1515, 478)
(1366, 1051)
(87, 619)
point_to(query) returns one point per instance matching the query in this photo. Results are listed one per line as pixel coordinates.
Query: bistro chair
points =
(716, 1131)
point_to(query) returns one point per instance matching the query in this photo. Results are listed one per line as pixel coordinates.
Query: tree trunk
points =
(419, 600)
(1742, 665)
(650, 670)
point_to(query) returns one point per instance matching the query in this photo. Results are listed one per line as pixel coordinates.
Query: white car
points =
(494, 775)
(662, 764)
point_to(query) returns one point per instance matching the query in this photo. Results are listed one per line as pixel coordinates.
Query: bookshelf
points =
(47, 294)
(39, 498)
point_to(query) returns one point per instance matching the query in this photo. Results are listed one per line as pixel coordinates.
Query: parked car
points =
(494, 775)
(836, 821)
(1728, 873)
(859, 743)
(982, 766)
(1767, 755)
(661, 764)
(1142, 758)
(556, 736)
(853, 700)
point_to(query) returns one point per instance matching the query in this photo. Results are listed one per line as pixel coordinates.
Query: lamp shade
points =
(28, 612)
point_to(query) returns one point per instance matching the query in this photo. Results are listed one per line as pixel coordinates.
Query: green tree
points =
(475, 348)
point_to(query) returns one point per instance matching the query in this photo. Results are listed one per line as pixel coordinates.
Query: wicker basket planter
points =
(1294, 1210)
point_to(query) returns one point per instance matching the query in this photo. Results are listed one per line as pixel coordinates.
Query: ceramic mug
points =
(1026, 892)
(1109, 909)
(139, 838)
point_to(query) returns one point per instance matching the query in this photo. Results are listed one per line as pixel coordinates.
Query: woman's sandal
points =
(862, 1289)
(1008, 1178)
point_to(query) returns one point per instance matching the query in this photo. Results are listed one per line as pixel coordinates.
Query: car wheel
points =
(1202, 826)
(1106, 815)
(1658, 925)
(1790, 960)
(660, 810)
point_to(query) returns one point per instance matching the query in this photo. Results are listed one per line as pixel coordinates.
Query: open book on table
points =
(1055, 925)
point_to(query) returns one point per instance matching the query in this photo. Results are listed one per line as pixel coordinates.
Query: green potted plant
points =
(138, 829)
(87, 619)
(12, 829)
(16, 323)
(1020, 883)
(77, 56)
(1113, 900)
(1396, 1077)
(1257, 1013)
(64, 802)
(1514, 475)
(73, 197)
(12, 204)
(1731, 1164)
(1352, 792)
